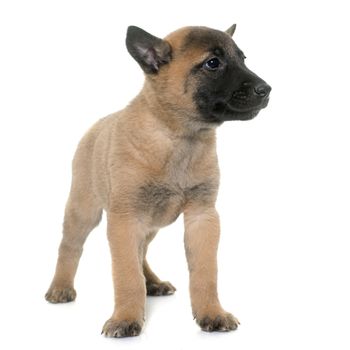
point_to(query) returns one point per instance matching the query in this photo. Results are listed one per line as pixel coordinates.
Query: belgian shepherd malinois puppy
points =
(154, 160)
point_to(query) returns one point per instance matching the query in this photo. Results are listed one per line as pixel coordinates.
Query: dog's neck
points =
(180, 123)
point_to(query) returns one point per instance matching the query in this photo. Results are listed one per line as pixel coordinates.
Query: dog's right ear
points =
(149, 51)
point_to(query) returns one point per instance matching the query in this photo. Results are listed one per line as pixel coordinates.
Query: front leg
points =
(202, 231)
(126, 240)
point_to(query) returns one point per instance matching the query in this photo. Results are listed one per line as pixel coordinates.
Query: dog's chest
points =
(179, 167)
(164, 198)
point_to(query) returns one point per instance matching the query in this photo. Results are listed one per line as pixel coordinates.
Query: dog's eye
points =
(212, 64)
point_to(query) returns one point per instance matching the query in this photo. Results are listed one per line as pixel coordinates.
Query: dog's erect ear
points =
(231, 30)
(149, 51)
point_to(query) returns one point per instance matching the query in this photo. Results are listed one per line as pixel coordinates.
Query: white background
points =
(284, 200)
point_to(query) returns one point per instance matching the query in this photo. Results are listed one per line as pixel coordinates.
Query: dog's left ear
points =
(149, 51)
(231, 30)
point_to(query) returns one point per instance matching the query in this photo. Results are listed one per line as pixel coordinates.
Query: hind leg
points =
(81, 216)
(154, 285)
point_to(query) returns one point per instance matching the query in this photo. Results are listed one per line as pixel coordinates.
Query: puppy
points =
(153, 160)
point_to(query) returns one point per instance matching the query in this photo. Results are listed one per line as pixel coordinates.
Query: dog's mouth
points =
(225, 111)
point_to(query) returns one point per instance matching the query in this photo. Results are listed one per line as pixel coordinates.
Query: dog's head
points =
(199, 72)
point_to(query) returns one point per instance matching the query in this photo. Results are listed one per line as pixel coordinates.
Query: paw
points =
(60, 295)
(220, 323)
(119, 329)
(162, 288)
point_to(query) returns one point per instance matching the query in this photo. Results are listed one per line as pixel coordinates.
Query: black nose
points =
(262, 89)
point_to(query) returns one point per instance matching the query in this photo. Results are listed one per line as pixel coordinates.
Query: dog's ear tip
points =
(132, 29)
(231, 30)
